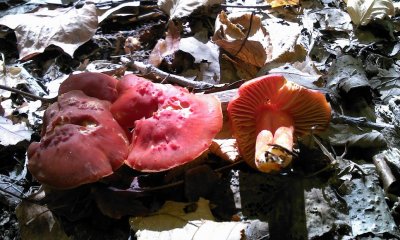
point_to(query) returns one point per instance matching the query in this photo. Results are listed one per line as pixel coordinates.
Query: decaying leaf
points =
(354, 137)
(67, 28)
(185, 221)
(280, 3)
(303, 73)
(363, 11)
(225, 149)
(285, 41)
(183, 8)
(38, 222)
(165, 47)
(369, 212)
(206, 55)
(346, 74)
(387, 82)
(233, 34)
(11, 134)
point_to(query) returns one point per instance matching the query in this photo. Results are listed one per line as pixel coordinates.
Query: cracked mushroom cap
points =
(171, 126)
(93, 84)
(81, 143)
(308, 108)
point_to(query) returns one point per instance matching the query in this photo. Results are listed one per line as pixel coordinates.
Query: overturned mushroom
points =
(170, 125)
(268, 113)
(81, 142)
(93, 84)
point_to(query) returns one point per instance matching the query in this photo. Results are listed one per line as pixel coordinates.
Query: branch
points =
(30, 95)
(358, 122)
(147, 69)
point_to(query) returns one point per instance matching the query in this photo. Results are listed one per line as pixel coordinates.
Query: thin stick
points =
(146, 69)
(30, 95)
(247, 35)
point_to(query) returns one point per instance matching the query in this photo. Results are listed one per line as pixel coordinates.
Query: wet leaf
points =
(11, 134)
(183, 8)
(67, 28)
(363, 11)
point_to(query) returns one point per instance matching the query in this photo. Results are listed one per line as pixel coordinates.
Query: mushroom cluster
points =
(99, 123)
(268, 113)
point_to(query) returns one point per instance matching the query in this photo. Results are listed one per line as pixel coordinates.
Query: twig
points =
(247, 35)
(146, 69)
(48, 100)
(358, 121)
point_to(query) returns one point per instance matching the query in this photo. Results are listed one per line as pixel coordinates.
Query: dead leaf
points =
(38, 222)
(280, 3)
(225, 149)
(165, 47)
(363, 11)
(206, 55)
(113, 10)
(233, 34)
(183, 8)
(11, 134)
(67, 28)
(285, 41)
(185, 221)
(387, 82)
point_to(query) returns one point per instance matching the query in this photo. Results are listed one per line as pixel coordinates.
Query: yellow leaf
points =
(280, 3)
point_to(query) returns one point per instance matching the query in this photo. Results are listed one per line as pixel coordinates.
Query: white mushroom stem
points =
(275, 137)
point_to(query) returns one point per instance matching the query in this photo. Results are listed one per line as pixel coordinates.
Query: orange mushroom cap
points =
(81, 143)
(301, 108)
(93, 84)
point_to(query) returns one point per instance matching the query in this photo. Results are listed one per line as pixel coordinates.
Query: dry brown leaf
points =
(67, 28)
(280, 3)
(232, 33)
(225, 149)
(284, 37)
(165, 47)
(183, 8)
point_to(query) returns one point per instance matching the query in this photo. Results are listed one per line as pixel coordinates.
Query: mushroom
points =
(170, 125)
(268, 113)
(81, 143)
(93, 84)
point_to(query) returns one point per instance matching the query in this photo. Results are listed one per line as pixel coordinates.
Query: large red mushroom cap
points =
(266, 115)
(138, 98)
(170, 125)
(81, 143)
(98, 85)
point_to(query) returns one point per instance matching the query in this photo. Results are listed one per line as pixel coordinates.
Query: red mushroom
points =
(138, 98)
(171, 126)
(268, 113)
(81, 143)
(93, 84)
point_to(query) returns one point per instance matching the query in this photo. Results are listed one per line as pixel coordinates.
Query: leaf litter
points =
(347, 52)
